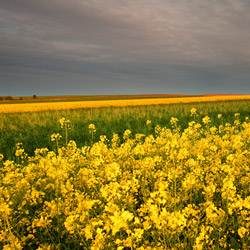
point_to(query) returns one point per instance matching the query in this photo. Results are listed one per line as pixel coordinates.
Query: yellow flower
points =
(64, 123)
(126, 134)
(242, 231)
(173, 120)
(144, 193)
(206, 120)
(19, 152)
(92, 128)
(55, 137)
(127, 216)
(193, 111)
(69, 224)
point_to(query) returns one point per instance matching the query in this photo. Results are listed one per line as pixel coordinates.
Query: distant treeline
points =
(11, 98)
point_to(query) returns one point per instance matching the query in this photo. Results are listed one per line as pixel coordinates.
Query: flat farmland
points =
(149, 173)
(60, 105)
(34, 129)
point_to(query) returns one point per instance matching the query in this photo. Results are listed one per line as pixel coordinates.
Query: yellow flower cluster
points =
(56, 137)
(92, 128)
(42, 106)
(175, 189)
(64, 123)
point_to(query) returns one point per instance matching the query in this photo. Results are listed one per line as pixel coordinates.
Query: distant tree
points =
(34, 96)
(1, 98)
(9, 98)
(21, 98)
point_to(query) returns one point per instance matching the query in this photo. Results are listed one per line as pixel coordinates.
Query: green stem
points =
(66, 135)
(8, 225)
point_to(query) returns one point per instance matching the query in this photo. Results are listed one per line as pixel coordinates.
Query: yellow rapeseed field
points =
(29, 107)
(174, 189)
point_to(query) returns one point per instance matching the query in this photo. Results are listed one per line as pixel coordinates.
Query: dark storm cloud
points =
(133, 46)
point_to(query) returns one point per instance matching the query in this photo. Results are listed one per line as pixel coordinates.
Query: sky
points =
(106, 47)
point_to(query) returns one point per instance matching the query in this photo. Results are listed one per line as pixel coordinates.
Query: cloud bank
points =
(124, 47)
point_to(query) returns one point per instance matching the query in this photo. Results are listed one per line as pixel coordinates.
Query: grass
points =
(34, 129)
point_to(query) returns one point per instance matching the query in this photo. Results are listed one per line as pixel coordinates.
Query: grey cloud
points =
(194, 42)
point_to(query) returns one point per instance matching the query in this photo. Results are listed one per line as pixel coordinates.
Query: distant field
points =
(132, 101)
(38, 99)
(35, 128)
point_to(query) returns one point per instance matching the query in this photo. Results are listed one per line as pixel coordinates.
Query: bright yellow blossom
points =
(176, 188)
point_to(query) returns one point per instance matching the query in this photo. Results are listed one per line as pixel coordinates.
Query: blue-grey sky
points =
(62, 47)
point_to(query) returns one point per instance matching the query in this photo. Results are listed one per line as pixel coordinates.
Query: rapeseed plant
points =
(177, 188)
